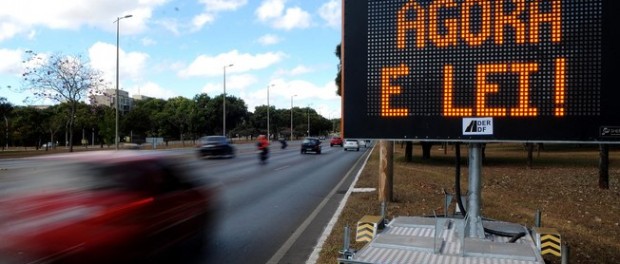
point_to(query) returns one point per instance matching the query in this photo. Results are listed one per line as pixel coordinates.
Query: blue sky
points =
(172, 48)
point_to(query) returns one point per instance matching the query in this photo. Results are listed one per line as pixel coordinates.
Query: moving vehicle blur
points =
(101, 207)
(263, 148)
(350, 144)
(48, 145)
(362, 143)
(335, 141)
(311, 144)
(215, 146)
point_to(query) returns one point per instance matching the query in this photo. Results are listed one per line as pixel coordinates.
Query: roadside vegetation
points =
(562, 183)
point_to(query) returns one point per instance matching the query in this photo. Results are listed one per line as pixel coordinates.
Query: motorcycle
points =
(284, 144)
(263, 155)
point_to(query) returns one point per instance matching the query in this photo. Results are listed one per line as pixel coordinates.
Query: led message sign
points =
(481, 70)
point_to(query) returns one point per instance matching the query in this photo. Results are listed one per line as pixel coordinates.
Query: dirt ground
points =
(562, 183)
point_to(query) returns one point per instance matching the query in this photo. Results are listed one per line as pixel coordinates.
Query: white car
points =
(362, 143)
(351, 144)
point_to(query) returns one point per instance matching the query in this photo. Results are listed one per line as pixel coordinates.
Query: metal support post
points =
(346, 253)
(538, 219)
(476, 230)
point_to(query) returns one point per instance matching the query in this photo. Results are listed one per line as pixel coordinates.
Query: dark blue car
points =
(215, 146)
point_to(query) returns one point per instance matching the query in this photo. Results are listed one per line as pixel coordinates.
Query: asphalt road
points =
(269, 211)
(273, 212)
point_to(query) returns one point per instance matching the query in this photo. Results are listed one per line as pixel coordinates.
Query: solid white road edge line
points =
(314, 257)
(291, 240)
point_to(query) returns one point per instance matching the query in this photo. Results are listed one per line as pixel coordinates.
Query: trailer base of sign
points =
(444, 240)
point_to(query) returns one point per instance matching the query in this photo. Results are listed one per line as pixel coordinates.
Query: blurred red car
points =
(100, 207)
(335, 141)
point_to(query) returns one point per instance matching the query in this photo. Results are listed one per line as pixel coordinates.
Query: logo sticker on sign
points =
(478, 126)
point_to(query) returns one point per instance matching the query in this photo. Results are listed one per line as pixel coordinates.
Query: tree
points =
(5, 110)
(338, 79)
(200, 125)
(28, 126)
(52, 123)
(236, 113)
(61, 78)
(179, 112)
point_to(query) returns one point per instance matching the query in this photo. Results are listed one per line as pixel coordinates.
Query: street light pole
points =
(116, 100)
(268, 106)
(224, 102)
(292, 116)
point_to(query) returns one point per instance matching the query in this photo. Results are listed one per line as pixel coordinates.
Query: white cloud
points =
(171, 25)
(305, 93)
(205, 65)
(298, 70)
(148, 42)
(268, 39)
(9, 30)
(212, 8)
(274, 13)
(103, 57)
(270, 9)
(152, 90)
(293, 18)
(22, 18)
(331, 12)
(11, 62)
(235, 85)
(223, 5)
(202, 19)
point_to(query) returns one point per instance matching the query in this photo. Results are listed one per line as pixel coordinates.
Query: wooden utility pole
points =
(386, 170)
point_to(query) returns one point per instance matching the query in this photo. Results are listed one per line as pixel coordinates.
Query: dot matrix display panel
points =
(536, 70)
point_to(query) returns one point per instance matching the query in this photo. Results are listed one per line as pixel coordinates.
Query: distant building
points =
(138, 97)
(41, 107)
(108, 98)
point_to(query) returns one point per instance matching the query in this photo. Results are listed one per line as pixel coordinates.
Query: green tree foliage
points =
(27, 126)
(53, 122)
(200, 125)
(144, 119)
(179, 112)
(6, 109)
(173, 119)
(338, 79)
(236, 113)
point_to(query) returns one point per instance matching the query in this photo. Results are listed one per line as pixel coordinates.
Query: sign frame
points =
(370, 52)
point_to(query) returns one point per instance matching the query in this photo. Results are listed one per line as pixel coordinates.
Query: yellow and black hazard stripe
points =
(365, 232)
(549, 241)
(367, 227)
(551, 244)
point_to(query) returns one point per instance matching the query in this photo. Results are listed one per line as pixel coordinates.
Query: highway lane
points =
(268, 212)
(264, 204)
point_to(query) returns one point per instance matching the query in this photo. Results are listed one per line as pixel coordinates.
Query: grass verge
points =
(563, 184)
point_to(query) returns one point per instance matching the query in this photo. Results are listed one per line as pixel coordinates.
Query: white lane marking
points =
(291, 240)
(281, 168)
(314, 257)
(364, 189)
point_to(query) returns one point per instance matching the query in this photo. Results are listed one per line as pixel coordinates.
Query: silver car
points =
(351, 144)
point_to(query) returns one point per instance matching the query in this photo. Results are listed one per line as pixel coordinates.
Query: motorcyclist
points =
(263, 147)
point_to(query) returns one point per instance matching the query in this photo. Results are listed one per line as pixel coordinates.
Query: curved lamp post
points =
(224, 102)
(292, 116)
(117, 51)
(268, 106)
